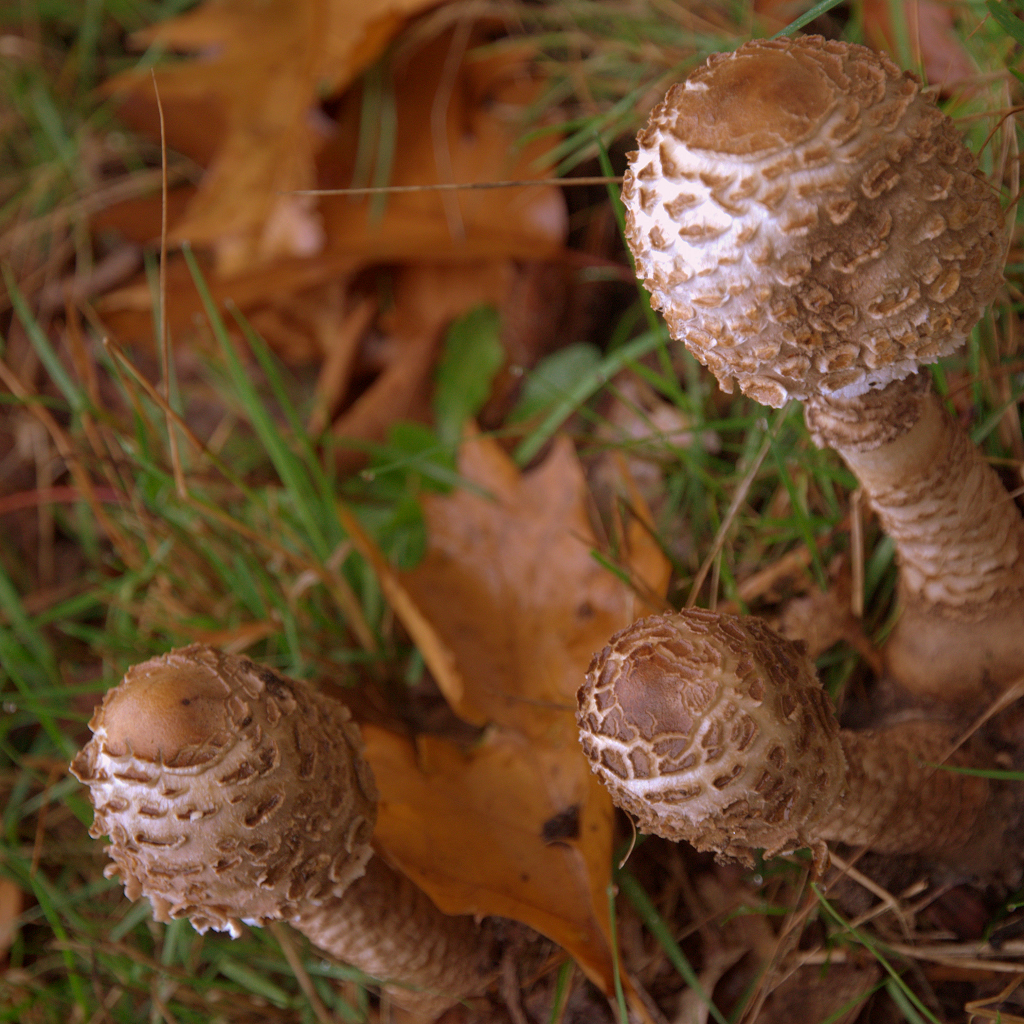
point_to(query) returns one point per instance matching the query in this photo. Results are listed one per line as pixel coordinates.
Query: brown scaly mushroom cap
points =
(196, 759)
(809, 221)
(714, 729)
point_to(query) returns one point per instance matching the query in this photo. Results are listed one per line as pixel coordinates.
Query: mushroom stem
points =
(715, 729)
(927, 810)
(959, 537)
(233, 794)
(390, 929)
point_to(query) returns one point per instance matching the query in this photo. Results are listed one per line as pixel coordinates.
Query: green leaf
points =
(473, 354)
(413, 448)
(583, 389)
(553, 378)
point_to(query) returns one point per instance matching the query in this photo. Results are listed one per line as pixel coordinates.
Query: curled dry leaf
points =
(263, 68)
(481, 145)
(301, 305)
(506, 608)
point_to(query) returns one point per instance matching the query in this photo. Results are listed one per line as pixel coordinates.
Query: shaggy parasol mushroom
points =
(232, 794)
(813, 227)
(715, 729)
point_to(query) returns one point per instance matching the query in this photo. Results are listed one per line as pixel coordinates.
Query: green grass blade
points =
(655, 924)
(799, 513)
(873, 948)
(584, 390)
(1006, 19)
(49, 902)
(807, 17)
(254, 982)
(272, 370)
(290, 468)
(620, 996)
(47, 356)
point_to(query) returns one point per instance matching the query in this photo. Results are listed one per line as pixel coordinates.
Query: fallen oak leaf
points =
(516, 544)
(265, 66)
(477, 141)
(246, 208)
(509, 566)
(521, 224)
(510, 582)
(502, 829)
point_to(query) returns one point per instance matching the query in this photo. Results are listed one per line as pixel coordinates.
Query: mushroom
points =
(814, 228)
(715, 729)
(232, 794)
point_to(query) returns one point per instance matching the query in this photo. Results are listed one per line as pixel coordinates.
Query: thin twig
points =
(165, 354)
(375, 190)
(888, 900)
(1004, 700)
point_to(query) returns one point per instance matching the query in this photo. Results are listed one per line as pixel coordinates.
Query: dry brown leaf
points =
(483, 104)
(834, 992)
(510, 584)
(264, 67)
(507, 609)
(509, 828)
(340, 335)
(481, 145)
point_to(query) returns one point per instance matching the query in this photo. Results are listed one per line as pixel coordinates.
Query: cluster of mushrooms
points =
(813, 228)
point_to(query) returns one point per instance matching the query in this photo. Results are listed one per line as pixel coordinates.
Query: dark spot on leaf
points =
(562, 826)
